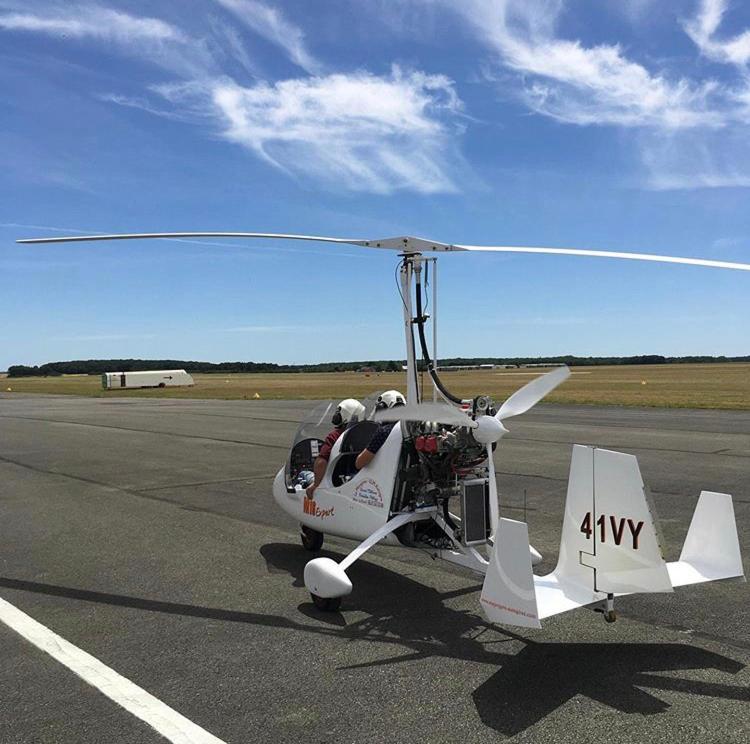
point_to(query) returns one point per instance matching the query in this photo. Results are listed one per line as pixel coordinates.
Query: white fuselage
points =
(355, 509)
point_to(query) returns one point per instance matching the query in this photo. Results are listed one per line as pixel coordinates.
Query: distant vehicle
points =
(147, 379)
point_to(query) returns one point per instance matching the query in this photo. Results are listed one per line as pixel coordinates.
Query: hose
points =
(419, 320)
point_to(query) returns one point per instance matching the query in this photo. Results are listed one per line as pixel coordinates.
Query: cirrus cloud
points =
(352, 131)
(357, 132)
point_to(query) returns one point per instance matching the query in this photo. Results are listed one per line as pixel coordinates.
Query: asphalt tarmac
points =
(144, 532)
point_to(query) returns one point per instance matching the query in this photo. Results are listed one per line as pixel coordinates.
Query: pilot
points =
(347, 411)
(389, 399)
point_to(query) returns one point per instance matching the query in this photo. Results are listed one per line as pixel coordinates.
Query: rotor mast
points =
(411, 268)
(410, 265)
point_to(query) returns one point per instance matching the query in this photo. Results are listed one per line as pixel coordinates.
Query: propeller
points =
(490, 428)
(404, 244)
(487, 429)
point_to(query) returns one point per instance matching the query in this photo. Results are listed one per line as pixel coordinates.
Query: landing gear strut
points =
(607, 608)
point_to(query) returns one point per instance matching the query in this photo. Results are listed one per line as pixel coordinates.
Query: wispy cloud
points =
(273, 328)
(272, 25)
(358, 132)
(101, 23)
(690, 133)
(697, 159)
(583, 85)
(107, 337)
(350, 131)
(266, 329)
(702, 30)
(162, 43)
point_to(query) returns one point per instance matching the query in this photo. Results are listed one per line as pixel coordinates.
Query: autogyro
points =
(438, 459)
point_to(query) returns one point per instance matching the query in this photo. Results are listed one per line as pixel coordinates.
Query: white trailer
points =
(147, 379)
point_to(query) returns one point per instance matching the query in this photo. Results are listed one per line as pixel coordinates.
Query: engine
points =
(440, 463)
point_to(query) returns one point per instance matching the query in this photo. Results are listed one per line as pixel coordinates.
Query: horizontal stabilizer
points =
(712, 549)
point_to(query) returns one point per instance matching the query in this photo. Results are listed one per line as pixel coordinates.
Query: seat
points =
(358, 436)
(353, 441)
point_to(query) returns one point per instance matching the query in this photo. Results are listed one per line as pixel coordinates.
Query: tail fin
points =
(609, 542)
(623, 547)
(608, 545)
(712, 549)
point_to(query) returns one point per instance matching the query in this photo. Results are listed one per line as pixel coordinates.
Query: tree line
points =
(99, 366)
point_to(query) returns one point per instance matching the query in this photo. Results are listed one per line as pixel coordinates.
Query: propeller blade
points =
(530, 394)
(607, 254)
(437, 412)
(494, 499)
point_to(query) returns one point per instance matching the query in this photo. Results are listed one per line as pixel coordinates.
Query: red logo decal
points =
(309, 506)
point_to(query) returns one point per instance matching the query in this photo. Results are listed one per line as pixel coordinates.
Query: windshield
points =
(317, 423)
(306, 445)
(370, 403)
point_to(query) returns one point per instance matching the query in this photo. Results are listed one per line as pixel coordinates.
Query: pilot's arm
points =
(363, 458)
(378, 440)
(319, 469)
(321, 461)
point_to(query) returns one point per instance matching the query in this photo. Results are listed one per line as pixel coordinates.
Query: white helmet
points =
(347, 411)
(389, 399)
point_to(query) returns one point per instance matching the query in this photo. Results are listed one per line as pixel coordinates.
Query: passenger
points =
(347, 411)
(389, 399)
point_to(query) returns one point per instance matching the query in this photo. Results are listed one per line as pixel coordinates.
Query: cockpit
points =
(311, 434)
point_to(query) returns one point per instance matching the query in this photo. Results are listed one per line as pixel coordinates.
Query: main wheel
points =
(326, 604)
(312, 540)
(610, 616)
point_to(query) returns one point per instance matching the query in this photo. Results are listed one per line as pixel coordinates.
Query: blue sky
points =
(593, 124)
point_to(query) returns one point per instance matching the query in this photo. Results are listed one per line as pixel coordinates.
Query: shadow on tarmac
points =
(404, 613)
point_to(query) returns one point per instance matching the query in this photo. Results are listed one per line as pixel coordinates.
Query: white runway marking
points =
(168, 722)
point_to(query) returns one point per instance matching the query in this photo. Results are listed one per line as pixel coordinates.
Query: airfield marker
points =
(166, 721)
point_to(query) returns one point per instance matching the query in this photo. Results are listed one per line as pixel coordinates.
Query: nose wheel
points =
(311, 539)
(326, 604)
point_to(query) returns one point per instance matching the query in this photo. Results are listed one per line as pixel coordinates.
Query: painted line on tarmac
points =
(166, 721)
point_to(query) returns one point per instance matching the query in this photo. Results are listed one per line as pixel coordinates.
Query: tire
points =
(326, 604)
(312, 540)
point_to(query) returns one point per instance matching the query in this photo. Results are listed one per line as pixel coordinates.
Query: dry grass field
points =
(724, 386)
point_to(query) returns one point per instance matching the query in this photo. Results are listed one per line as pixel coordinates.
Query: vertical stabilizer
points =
(712, 549)
(624, 549)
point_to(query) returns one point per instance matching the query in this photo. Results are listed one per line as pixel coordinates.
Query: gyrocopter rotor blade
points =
(178, 235)
(606, 254)
(405, 244)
